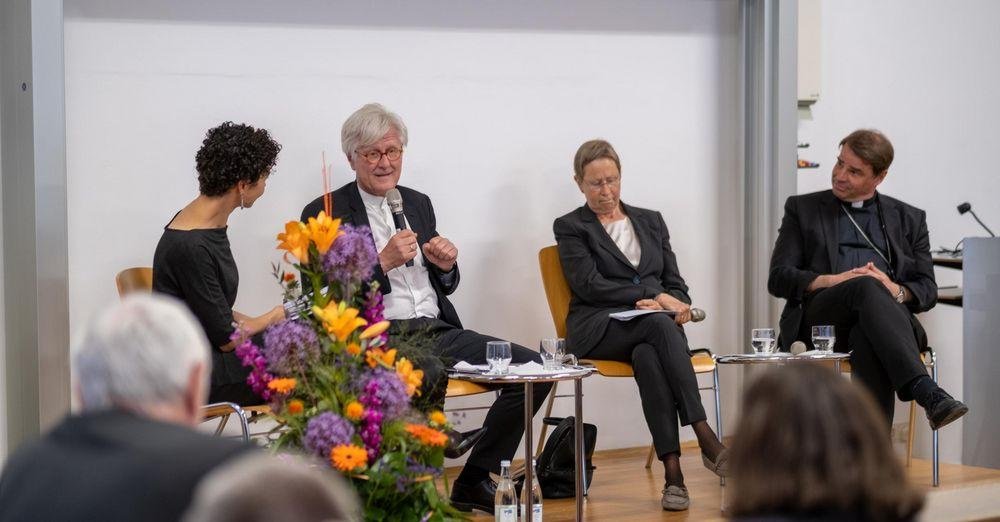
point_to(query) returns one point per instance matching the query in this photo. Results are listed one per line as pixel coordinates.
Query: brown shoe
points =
(675, 498)
(721, 465)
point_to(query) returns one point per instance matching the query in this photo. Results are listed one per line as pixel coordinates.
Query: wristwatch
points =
(900, 295)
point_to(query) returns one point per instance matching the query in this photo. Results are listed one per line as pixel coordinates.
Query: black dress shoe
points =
(944, 409)
(481, 496)
(459, 443)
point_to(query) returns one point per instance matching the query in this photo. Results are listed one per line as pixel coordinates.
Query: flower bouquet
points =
(335, 384)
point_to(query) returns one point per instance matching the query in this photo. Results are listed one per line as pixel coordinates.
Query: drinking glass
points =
(553, 352)
(823, 338)
(498, 357)
(763, 340)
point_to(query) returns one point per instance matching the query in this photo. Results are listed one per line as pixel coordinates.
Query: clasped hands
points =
(402, 247)
(667, 302)
(869, 270)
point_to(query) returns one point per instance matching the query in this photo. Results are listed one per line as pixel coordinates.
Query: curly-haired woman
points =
(193, 261)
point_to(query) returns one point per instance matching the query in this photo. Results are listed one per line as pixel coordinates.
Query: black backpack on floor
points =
(556, 465)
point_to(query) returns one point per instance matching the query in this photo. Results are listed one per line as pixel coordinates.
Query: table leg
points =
(528, 452)
(581, 459)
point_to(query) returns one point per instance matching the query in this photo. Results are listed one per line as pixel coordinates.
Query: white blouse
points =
(623, 234)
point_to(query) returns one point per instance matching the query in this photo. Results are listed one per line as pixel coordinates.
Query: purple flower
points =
(351, 260)
(290, 347)
(250, 356)
(325, 431)
(383, 391)
(373, 307)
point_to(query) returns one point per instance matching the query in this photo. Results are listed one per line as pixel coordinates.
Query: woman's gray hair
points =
(140, 351)
(368, 125)
(265, 487)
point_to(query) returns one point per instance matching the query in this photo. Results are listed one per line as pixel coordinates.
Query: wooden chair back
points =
(135, 279)
(557, 291)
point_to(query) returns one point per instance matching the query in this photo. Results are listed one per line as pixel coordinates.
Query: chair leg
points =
(649, 457)
(548, 413)
(935, 476)
(909, 433)
(718, 410)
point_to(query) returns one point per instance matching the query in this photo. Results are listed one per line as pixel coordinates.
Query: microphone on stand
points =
(395, 201)
(966, 207)
(797, 347)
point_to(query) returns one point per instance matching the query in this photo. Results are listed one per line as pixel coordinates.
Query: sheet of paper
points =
(628, 315)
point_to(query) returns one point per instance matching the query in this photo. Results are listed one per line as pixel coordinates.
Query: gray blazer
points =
(601, 278)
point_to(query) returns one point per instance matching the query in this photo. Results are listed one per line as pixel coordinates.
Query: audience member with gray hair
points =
(265, 488)
(131, 454)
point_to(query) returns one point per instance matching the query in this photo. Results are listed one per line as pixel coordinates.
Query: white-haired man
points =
(131, 454)
(417, 269)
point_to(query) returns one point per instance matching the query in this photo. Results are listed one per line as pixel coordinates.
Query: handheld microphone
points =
(797, 347)
(395, 201)
(697, 315)
(966, 207)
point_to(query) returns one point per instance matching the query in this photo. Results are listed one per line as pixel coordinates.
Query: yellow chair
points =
(558, 293)
(929, 359)
(140, 279)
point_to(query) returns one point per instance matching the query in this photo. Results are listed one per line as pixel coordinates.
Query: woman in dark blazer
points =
(617, 257)
(193, 261)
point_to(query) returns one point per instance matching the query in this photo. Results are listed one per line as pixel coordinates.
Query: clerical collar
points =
(862, 204)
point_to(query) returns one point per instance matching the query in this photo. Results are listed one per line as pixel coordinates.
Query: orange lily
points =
(377, 356)
(295, 241)
(339, 320)
(375, 329)
(410, 377)
(323, 231)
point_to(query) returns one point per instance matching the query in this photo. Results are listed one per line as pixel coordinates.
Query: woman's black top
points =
(197, 267)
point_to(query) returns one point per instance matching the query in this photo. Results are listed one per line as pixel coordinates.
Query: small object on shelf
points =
(806, 164)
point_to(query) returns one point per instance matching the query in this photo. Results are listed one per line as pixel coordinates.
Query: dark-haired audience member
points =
(260, 487)
(131, 454)
(810, 445)
(193, 261)
(859, 260)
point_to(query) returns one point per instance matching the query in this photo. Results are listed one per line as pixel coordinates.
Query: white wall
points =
(926, 74)
(495, 116)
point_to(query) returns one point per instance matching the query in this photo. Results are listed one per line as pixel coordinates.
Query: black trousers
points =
(885, 337)
(505, 419)
(668, 388)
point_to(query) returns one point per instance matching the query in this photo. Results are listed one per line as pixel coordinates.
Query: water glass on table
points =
(823, 338)
(552, 353)
(498, 357)
(763, 340)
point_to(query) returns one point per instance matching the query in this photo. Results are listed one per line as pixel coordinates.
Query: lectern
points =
(981, 359)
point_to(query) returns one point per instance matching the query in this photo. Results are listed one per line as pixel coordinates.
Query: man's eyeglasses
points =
(374, 156)
(598, 185)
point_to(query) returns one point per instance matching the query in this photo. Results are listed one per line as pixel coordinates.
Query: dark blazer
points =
(807, 247)
(348, 206)
(110, 465)
(601, 278)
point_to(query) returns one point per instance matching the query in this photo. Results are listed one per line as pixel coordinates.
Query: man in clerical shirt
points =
(860, 261)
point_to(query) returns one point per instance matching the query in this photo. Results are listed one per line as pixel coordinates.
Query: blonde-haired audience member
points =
(265, 488)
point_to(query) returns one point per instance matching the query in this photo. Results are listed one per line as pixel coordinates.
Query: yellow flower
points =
(348, 457)
(354, 410)
(339, 320)
(410, 377)
(375, 329)
(437, 417)
(323, 231)
(377, 356)
(295, 407)
(426, 435)
(353, 348)
(295, 241)
(283, 386)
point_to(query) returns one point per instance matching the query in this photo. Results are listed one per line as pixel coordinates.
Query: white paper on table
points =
(464, 367)
(628, 315)
(811, 353)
